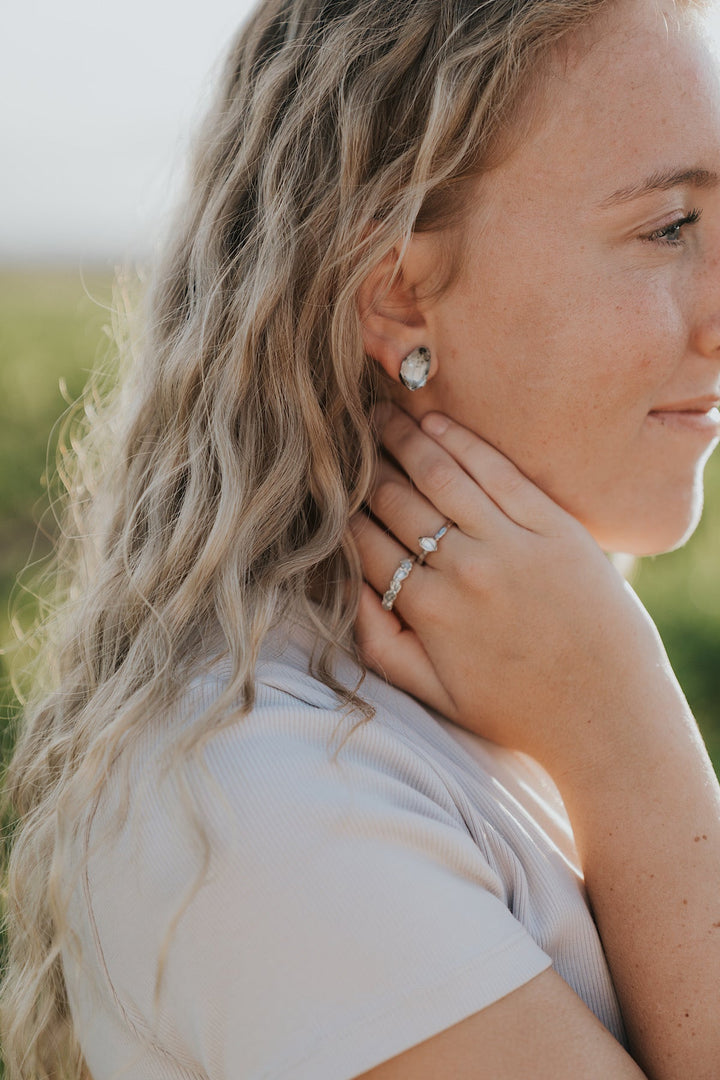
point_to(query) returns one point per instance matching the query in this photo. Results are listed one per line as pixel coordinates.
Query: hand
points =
(518, 627)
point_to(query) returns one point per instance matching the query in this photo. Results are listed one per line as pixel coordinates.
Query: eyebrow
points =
(662, 181)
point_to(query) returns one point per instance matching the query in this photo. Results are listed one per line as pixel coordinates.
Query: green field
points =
(52, 332)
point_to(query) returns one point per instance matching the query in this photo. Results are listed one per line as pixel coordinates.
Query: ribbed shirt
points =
(357, 902)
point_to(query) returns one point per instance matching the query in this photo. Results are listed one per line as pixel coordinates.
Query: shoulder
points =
(298, 777)
(299, 747)
(345, 913)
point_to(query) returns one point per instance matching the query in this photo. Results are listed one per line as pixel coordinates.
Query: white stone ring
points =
(429, 544)
(396, 583)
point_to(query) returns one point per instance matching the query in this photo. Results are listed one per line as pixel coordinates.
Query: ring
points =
(429, 544)
(396, 583)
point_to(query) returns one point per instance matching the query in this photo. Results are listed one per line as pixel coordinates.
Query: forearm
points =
(646, 817)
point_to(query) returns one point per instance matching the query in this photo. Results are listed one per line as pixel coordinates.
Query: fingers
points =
(381, 555)
(442, 479)
(397, 655)
(406, 512)
(515, 494)
(487, 489)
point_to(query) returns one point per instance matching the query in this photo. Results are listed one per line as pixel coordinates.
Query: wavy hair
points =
(208, 494)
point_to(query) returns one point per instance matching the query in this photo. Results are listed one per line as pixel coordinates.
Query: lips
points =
(701, 415)
(695, 405)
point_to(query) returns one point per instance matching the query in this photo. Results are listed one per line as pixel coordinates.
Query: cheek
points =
(603, 343)
(545, 358)
(645, 339)
(560, 359)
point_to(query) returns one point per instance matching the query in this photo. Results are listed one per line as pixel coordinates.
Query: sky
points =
(97, 103)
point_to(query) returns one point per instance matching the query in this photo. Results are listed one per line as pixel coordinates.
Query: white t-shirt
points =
(354, 907)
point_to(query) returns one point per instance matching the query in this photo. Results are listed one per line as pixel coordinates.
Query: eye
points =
(672, 234)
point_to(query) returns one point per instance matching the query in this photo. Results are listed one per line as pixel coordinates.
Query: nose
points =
(707, 336)
(707, 325)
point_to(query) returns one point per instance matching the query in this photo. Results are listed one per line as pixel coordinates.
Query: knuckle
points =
(508, 480)
(467, 443)
(440, 475)
(388, 498)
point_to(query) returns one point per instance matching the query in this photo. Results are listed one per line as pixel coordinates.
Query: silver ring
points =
(396, 583)
(429, 544)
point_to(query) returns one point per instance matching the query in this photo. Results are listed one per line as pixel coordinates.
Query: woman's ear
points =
(394, 323)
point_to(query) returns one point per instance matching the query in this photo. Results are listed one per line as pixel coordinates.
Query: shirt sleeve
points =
(347, 916)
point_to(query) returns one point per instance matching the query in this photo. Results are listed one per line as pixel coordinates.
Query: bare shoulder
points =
(542, 1030)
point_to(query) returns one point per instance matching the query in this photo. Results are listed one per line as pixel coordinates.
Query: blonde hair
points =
(208, 496)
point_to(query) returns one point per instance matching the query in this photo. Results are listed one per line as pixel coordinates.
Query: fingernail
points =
(434, 424)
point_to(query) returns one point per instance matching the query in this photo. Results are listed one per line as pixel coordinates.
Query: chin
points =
(654, 533)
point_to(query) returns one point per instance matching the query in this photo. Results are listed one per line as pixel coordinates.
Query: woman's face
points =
(582, 336)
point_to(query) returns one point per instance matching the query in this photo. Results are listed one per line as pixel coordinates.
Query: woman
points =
(238, 857)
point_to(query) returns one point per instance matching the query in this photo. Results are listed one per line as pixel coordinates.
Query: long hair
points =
(208, 494)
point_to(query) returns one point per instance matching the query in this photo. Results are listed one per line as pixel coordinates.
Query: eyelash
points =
(670, 234)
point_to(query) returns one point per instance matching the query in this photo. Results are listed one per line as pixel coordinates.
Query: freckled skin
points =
(568, 324)
(570, 327)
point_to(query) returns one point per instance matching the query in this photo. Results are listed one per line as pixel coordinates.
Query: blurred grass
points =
(681, 591)
(51, 335)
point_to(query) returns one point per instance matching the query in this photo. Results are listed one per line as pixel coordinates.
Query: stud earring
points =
(415, 368)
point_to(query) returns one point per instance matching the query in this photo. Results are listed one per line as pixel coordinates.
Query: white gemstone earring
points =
(415, 368)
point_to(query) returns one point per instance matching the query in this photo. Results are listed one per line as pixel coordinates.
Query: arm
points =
(521, 630)
(647, 826)
(542, 1030)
